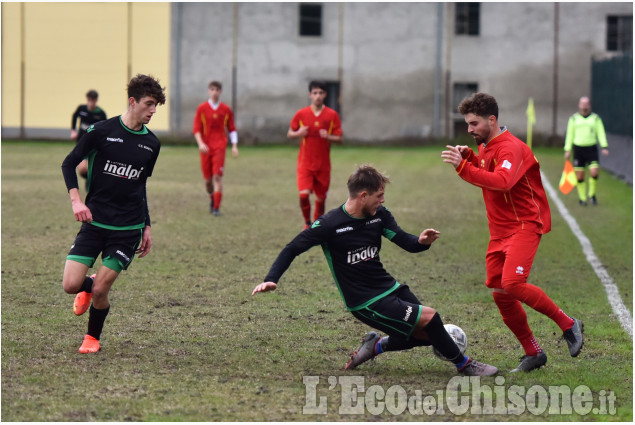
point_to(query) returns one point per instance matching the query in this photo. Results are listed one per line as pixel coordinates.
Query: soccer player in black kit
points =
(350, 236)
(115, 220)
(88, 115)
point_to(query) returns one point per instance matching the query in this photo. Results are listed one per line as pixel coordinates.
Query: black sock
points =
(397, 343)
(87, 286)
(442, 341)
(96, 320)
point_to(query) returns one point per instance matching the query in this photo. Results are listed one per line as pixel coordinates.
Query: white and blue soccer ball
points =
(457, 335)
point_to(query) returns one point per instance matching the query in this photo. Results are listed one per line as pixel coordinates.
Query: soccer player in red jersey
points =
(518, 215)
(212, 121)
(317, 125)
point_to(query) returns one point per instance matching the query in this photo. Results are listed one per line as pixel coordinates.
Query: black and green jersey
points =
(120, 161)
(351, 247)
(87, 117)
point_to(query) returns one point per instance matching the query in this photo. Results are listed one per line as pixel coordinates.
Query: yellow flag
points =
(568, 180)
(531, 119)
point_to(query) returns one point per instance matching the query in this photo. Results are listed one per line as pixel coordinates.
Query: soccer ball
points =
(458, 336)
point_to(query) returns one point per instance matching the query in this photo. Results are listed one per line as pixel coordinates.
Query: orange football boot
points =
(82, 301)
(90, 345)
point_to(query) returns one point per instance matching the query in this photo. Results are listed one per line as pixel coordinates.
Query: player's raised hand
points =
(428, 236)
(452, 156)
(464, 150)
(264, 287)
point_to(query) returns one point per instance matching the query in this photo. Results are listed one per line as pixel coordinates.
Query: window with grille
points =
(467, 18)
(619, 33)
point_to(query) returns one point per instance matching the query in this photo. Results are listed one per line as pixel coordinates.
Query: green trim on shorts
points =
(374, 299)
(87, 261)
(389, 318)
(113, 264)
(109, 227)
(416, 321)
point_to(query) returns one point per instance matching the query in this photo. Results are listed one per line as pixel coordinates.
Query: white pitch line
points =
(623, 314)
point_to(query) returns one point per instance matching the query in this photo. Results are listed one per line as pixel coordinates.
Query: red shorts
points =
(315, 181)
(509, 259)
(213, 163)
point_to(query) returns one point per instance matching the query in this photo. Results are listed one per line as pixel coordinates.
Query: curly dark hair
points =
(480, 104)
(146, 85)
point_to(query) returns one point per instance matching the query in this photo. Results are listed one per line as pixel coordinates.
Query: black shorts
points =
(585, 156)
(117, 247)
(396, 314)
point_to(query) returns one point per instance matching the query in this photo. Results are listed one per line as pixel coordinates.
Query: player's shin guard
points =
(96, 321)
(515, 317)
(319, 208)
(442, 341)
(536, 298)
(305, 206)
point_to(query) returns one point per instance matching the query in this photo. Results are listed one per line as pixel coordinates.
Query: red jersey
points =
(509, 175)
(314, 150)
(212, 123)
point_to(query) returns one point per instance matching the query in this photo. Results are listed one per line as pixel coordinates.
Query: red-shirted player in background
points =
(318, 126)
(211, 121)
(518, 215)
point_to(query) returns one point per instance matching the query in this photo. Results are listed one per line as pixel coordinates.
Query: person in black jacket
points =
(88, 115)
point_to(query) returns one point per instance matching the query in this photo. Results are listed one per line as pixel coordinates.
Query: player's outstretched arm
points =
(428, 236)
(264, 287)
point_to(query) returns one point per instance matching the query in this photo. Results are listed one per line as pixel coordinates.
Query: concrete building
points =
(395, 70)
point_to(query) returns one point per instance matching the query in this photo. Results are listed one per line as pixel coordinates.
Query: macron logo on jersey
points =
(344, 229)
(118, 169)
(507, 164)
(362, 254)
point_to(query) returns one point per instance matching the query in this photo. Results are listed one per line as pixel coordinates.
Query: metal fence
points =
(612, 93)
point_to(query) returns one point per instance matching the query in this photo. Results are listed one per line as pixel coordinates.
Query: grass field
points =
(185, 341)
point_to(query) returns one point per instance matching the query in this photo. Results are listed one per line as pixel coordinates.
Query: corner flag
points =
(568, 180)
(531, 119)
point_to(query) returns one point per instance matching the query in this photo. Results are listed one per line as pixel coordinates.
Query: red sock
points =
(305, 206)
(319, 208)
(217, 197)
(536, 298)
(515, 318)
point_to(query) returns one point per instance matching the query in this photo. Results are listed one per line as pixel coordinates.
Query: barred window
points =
(467, 18)
(619, 33)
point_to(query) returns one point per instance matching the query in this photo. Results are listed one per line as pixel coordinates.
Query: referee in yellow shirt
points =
(584, 130)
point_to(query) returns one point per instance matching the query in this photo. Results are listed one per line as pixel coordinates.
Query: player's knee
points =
(71, 286)
(514, 287)
(100, 294)
(427, 313)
